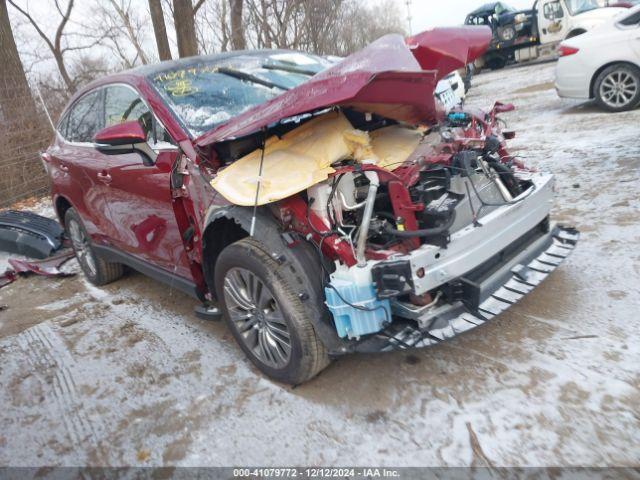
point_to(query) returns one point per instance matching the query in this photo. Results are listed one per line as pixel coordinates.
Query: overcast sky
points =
(437, 13)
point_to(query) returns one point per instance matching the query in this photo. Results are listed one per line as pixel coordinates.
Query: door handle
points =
(104, 177)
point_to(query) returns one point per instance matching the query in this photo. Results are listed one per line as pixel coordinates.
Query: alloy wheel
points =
(256, 315)
(80, 243)
(618, 89)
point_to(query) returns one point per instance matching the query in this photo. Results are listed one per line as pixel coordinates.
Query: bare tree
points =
(184, 12)
(54, 44)
(336, 27)
(276, 23)
(212, 27)
(159, 29)
(321, 17)
(128, 25)
(24, 132)
(237, 29)
(15, 95)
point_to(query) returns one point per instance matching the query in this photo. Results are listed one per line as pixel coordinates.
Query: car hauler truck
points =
(524, 35)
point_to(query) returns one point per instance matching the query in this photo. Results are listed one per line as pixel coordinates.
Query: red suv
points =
(326, 208)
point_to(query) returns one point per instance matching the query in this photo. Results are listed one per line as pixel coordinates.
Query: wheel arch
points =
(61, 204)
(222, 228)
(298, 259)
(592, 84)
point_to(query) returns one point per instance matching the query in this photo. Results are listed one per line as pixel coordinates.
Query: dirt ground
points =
(127, 375)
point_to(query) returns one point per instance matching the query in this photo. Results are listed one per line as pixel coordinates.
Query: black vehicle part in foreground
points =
(29, 234)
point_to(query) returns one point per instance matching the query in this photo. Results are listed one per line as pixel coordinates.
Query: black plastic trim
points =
(111, 254)
(29, 234)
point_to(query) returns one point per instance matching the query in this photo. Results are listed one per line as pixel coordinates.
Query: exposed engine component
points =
(384, 215)
(369, 205)
(356, 308)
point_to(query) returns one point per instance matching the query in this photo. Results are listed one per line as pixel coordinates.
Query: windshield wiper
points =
(286, 68)
(240, 75)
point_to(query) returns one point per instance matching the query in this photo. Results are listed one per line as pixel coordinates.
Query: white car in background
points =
(603, 64)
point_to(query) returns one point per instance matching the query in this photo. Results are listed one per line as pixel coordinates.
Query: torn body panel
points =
(47, 267)
(447, 49)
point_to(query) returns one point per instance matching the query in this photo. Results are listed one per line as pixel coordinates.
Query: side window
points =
(631, 20)
(85, 118)
(122, 104)
(553, 11)
(62, 126)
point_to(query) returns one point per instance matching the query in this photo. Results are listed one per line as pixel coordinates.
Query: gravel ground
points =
(126, 375)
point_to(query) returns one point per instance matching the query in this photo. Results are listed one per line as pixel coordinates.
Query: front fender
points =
(298, 260)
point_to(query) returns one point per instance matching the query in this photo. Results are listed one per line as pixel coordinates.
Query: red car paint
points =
(49, 267)
(130, 206)
(131, 131)
(447, 49)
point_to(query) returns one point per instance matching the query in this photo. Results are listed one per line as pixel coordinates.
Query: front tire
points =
(98, 271)
(617, 88)
(265, 314)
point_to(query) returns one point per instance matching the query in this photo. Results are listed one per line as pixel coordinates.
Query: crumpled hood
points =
(391, 77)
(448, 49)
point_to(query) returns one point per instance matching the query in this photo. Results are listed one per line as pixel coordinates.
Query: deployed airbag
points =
(303, 157)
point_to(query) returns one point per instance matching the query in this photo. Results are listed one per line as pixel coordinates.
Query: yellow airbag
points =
(303, 157)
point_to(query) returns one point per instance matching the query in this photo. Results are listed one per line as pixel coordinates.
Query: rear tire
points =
(266, 315)
(98, 271)
(617, 88)
(496, 62)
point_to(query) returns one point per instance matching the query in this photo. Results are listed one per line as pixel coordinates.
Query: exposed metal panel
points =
(474, 245)
(505, 295)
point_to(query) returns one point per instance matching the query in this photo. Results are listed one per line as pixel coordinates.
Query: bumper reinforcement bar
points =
(500, 291)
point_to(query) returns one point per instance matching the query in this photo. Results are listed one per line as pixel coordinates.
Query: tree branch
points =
(34, 24)
(197, 6)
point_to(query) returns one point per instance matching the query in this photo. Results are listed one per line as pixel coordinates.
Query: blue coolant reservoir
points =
(353, 322)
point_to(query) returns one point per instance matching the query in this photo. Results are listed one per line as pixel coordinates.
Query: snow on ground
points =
(126, 375)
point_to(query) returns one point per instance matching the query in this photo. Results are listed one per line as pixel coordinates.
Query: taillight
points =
(565, 50)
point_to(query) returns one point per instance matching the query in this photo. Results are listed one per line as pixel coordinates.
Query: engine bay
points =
(383, 201)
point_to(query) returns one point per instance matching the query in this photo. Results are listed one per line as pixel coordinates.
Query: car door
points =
(79, 167)
(139, 196)
(553, 21)
(631, 24)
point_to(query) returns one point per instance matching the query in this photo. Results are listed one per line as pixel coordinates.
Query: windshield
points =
(577, 7)
(208, 93)
(502, 8)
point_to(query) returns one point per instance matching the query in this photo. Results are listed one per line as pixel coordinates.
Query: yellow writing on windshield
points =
(184, 73)
(181, 88)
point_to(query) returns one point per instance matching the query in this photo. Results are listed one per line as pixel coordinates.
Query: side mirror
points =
(123, 138)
